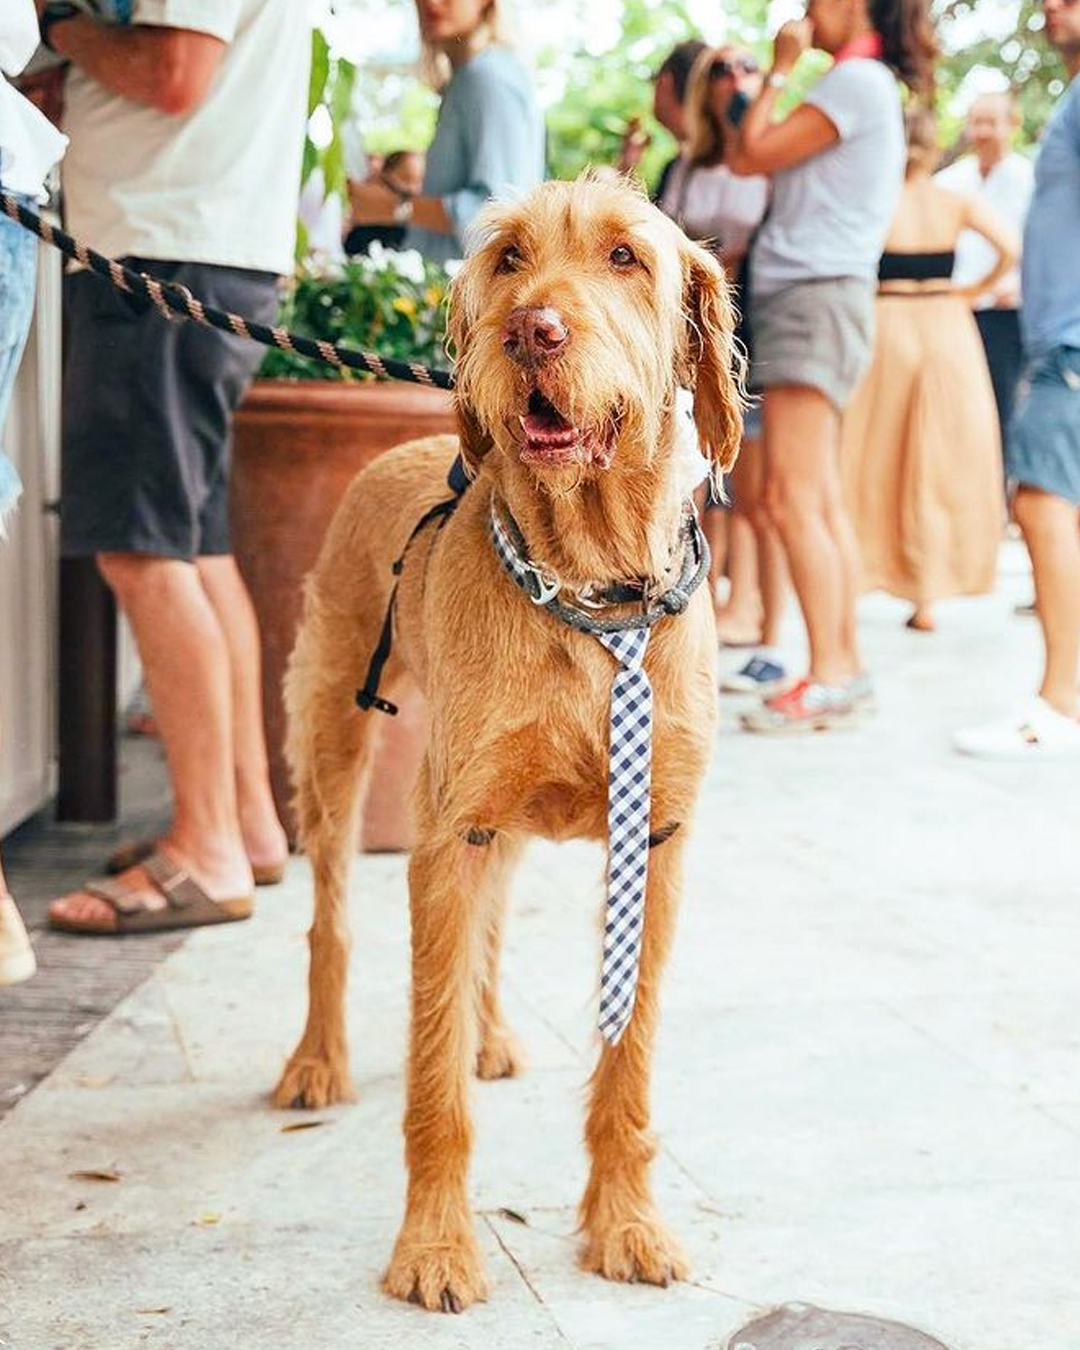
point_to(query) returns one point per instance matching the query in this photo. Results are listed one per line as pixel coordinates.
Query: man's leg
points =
(264, 838)
(185, 657)
(1049, 525)
(801, 431)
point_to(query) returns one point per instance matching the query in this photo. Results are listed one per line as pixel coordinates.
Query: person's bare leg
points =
(263, 835)
(185, 659)
(847, 544)
(1049, 525)
(738, 620)
(801, 427)
(748, 485)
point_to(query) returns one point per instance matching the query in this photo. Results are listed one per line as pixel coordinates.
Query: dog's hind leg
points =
(625, 1238)
(330, 746)
(436, 1261)
(499, 1054)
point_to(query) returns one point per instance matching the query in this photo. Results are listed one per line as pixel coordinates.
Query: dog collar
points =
(581, 608)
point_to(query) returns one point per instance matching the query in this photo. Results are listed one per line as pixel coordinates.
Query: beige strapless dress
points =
(921, 456)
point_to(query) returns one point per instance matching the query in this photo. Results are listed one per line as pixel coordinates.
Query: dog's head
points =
(579, 313)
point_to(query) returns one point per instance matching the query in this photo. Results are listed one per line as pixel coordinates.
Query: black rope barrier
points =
(175, 301)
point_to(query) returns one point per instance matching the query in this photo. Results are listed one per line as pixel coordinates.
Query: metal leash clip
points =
(548, 585)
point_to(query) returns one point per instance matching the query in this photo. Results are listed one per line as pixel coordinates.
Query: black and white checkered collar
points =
(583, 607)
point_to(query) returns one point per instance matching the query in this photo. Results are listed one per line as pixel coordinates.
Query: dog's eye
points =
(622, 256)
(509, 260)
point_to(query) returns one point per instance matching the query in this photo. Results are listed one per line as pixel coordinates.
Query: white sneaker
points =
(16, 955)
(1035, 732)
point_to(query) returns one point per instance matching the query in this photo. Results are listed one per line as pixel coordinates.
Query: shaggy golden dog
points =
(580, 313)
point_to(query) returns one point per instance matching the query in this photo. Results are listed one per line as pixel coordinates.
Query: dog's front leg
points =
(436, 1261)
(625, 1238)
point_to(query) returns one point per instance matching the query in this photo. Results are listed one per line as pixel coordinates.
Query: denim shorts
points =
(1043, 445)
(18, 271)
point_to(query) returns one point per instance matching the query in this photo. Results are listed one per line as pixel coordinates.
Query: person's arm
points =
(373, 203)
(765, 146)
(169, 69)
(1000, 234)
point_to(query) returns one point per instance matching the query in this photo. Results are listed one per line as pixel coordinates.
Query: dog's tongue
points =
(545, 427)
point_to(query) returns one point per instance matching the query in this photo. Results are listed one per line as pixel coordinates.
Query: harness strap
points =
(457, 480)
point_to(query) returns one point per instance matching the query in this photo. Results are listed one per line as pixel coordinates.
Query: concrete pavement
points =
(867, 1085)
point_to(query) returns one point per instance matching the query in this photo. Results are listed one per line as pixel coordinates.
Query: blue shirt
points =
(1050, 316)
(489, 142)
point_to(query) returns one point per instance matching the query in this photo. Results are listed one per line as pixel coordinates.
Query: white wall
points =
(28, 567)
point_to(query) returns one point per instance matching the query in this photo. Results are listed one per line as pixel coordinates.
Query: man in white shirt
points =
(186, 122)
(996, 174)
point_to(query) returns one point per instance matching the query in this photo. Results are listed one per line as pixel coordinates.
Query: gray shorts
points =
(148, 409)
(818, 333)
(1043, 444)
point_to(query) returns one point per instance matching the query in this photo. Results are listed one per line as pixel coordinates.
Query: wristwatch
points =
(56, 12)
(402, 213)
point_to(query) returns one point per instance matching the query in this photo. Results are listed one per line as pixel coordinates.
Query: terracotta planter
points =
(298, 446)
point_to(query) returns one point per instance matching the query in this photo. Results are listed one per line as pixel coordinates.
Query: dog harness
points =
(630, 724)
(629, 744)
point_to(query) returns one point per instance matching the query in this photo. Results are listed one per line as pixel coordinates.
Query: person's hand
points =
(45, 90)
(373, 203)
(791, 41)
(1007, 295)
(634, 144)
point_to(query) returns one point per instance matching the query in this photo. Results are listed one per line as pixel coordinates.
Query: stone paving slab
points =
(867, 1087)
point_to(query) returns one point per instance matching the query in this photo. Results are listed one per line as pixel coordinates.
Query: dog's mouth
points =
(549, 438)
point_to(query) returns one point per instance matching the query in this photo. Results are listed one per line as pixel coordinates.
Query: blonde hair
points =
(706, 133)
(494, 27)
(921, 133)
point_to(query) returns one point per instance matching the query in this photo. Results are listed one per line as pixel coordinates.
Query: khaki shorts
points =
(816, 333)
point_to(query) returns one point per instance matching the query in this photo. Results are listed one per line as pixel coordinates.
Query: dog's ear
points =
(461, 314)
(714, 362)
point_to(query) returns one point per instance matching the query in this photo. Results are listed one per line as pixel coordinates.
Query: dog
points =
(575, 321)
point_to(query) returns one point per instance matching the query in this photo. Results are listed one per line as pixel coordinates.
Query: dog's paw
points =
(314, 1081)
(500, 1054)
(442, 1274)
(636, 1250)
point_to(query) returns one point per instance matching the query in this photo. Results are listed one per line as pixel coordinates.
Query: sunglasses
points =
(742, 65)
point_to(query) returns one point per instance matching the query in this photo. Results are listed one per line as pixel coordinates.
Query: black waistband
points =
(916, 266)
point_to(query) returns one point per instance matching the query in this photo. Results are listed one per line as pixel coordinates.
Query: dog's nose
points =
(533, 336)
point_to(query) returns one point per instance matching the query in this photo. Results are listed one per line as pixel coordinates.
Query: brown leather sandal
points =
(131, 855)
(187, 904)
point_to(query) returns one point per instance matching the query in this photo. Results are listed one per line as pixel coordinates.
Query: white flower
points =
(408, 264)
(452, 266)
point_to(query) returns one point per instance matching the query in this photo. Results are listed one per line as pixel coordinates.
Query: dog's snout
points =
(533, 336)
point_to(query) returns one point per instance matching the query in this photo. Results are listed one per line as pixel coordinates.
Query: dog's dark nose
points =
(533, 336)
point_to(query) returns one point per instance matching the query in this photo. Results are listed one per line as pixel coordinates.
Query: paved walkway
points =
(867, 1088)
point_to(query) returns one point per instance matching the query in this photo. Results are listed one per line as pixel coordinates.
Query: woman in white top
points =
(29, 147)
(721, 209)
(837, 167)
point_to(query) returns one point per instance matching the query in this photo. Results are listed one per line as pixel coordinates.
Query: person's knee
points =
(134, 575)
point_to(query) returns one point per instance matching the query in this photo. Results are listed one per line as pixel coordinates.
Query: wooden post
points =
(87, 790)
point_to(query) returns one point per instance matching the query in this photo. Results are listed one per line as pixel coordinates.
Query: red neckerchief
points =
(868, 45)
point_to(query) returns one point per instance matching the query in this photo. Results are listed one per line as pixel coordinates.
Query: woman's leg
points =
(802, 497)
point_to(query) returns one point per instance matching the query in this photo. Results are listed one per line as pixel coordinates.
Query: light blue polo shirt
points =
(1050, 316)
(489, 142)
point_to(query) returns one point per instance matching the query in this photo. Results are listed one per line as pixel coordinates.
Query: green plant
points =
(330, 95)
(392, 303)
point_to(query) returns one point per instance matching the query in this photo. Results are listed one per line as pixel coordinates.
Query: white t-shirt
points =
(29, 143)
(217, 185)
(831, 213)
(711, 203)
(1007, 190)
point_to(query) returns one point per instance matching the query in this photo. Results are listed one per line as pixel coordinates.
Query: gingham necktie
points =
(629, 783)
(629, 802)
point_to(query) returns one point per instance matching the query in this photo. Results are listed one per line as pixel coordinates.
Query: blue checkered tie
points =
(629, 782)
